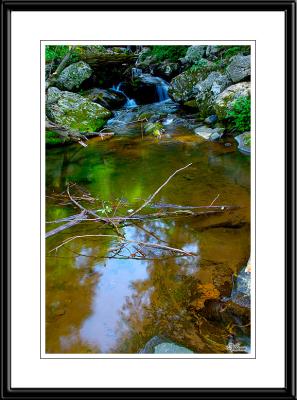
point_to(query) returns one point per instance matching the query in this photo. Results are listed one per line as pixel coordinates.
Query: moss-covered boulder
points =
(207, 90)
(224, 101)
(73, 111)
(74, 75)
(181, 88)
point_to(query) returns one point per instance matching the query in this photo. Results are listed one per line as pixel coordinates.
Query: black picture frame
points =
(289, 9)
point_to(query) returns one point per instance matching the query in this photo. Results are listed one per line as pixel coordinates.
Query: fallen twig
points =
(158, 190)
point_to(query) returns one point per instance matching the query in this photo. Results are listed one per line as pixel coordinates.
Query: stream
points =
(96, 304)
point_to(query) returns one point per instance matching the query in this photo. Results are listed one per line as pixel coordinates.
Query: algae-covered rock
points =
(73, 111)
(224, 101)
(74, 75)
(208, 89)
(239, 68)
(181, 88)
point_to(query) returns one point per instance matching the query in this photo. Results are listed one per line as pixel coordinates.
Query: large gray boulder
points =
(212, 51)
(195, 53)
(74, 75)
(224, 101)
(74, 112)
(181, 88)
(239, 68)
(207, 90)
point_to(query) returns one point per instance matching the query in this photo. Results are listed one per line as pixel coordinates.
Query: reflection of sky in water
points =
(113, 287)
(104, 326)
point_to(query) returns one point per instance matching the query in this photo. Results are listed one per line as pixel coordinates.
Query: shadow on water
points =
(96, 304)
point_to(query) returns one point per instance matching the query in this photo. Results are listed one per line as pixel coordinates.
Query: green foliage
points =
(170, 53)
(53, 53)
(240, 114)
(199, 65)
(52, 138)
(106, 208)
(57, 53)
(232, 51)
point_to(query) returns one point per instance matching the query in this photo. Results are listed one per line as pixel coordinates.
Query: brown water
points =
(96, 304)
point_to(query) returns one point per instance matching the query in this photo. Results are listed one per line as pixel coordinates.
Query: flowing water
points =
(98, 301)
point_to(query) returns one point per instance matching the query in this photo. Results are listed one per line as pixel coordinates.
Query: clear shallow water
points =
(96, 304)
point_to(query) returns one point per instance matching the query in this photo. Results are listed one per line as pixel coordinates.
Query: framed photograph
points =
(149, 199)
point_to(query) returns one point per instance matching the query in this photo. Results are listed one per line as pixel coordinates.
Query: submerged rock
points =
(224, 101)
(209, 133)
(74, 75)
(73, 111)
(239, 68)
(162, 345)
(244, 142)
(241, 293)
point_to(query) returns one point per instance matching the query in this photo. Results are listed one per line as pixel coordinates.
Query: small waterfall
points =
(130, 103)
(136, 72)
(162, 91)
(159, 83)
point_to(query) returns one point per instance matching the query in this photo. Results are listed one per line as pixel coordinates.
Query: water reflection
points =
(100, 304)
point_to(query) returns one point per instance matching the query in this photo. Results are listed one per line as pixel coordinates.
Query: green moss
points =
(232, 51)
(170, 53)
(52, 138)
(191, 103)
(76, 113)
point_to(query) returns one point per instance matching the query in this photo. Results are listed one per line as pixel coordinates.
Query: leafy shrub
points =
(57, 53)
(170, 53)
(53, 53)
(232, 51)
(240, 114)
(52, 138)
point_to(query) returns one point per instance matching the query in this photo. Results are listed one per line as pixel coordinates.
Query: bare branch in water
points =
(214, 200)
(158, 190)
(125, 241)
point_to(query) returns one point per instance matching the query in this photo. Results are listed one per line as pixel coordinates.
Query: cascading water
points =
(130, 103)
(162, 91)
(159, 83)
(136, 72)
